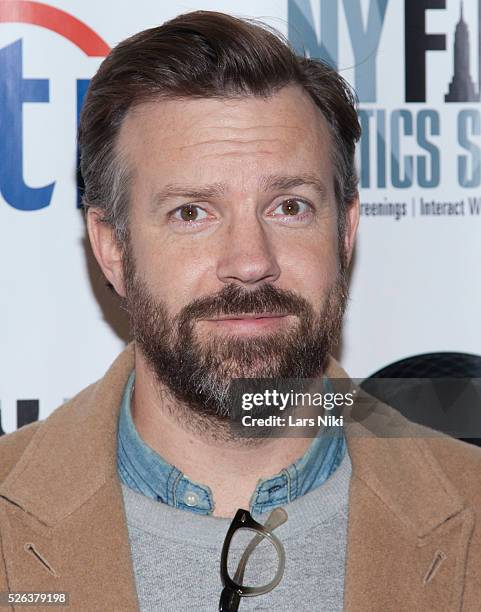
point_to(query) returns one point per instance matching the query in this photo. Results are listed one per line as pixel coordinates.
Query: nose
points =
(247, 254)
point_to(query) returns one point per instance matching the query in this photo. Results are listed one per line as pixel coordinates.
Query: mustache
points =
(234, 300)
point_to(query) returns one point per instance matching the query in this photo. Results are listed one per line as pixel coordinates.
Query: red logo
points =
(36, 13)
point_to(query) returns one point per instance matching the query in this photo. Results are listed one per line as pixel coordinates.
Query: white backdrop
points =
(416, 280)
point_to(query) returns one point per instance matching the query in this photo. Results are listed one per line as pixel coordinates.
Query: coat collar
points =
(84, 427)
(401, 504)
(390, 456)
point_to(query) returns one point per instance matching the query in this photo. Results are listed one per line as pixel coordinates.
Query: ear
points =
(352, 222)
(106, 249)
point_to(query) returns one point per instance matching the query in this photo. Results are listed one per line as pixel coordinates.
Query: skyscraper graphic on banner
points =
(462, 88)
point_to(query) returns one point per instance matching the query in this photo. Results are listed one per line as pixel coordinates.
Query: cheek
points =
(175, 273)
(311, 267)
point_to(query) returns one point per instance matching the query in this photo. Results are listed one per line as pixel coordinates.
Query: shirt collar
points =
(144, 470)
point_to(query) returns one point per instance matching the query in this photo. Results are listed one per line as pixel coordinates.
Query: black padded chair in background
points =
(424, 388)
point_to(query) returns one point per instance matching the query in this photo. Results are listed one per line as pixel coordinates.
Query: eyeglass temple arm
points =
(276, 518)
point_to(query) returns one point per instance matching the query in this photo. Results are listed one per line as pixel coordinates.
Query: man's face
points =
(233, 266)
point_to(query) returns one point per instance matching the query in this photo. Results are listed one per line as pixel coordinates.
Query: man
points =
(222, 207)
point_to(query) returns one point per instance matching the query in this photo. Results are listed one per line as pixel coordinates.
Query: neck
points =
(231, 468)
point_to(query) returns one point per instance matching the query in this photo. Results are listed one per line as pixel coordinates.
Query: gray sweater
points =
(176, 554)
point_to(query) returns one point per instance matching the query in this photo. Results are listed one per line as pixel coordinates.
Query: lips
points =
(251, 315)
(247, 323)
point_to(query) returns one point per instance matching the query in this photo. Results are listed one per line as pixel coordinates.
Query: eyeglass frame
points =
(232, 590)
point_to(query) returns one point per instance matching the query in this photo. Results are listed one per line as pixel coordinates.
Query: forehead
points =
(238, 137)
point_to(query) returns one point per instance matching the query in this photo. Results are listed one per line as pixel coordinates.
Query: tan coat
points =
(414, 538)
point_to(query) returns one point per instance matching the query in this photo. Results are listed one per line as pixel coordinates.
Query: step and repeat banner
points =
(416, 282)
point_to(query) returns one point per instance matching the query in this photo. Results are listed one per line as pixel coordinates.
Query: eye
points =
(293, 207)
(188, 213)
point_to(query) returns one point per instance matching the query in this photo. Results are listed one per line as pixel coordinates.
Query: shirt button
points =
(191, 499)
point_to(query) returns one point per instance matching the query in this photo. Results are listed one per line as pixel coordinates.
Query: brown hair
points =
(203, 54)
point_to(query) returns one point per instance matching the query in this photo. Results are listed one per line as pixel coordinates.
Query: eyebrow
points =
(267, 184)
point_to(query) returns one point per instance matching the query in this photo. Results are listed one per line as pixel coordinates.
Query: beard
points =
(197, 371)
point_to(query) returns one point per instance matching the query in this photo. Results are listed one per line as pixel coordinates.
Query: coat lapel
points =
(395, 565)
(408, 528)
(87, 554)
(64, 527)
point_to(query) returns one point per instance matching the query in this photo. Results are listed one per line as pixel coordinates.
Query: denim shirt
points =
(144, 470)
